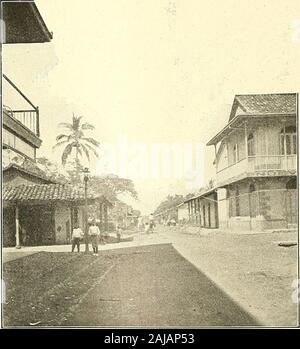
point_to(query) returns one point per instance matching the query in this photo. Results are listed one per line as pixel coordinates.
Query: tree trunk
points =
(77, 165)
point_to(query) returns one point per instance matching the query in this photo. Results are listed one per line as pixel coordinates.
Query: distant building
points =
(256, 163)
(203, 209)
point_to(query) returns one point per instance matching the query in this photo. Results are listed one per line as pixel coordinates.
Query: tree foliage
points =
(75, 139)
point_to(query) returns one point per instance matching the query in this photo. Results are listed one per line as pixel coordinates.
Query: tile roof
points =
(258, 105)
(44, 192)
(30, 168)
(273, 103)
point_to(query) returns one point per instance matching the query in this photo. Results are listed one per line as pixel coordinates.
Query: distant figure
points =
(151, 223)
(119, 229)
(94, 233)
(77, 235)
(101, 237)
(140, 223)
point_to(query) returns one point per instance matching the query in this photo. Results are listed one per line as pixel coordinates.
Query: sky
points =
(151, 72)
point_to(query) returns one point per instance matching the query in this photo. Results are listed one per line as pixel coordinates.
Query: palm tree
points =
(75, 139)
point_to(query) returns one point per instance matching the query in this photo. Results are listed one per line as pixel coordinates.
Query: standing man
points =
(94, 233)
(77, 235)
(151, 223)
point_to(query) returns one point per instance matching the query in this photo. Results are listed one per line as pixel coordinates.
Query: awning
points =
(203, 194)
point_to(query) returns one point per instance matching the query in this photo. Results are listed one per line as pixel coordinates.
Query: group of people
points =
(93, 233)
(147, 226)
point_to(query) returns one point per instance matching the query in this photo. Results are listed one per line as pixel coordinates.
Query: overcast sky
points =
(155, 71)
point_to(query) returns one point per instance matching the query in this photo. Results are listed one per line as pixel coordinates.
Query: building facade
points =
(203, 209)
(36, 210)
(256, 163)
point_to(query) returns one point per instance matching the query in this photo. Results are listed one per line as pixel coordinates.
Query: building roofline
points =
(31, 173)
(207, 192)
(221, 134)
(48, 34)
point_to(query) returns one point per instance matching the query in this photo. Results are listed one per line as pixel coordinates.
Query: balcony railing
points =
(272, 162)
(27, 117)
(258, 165)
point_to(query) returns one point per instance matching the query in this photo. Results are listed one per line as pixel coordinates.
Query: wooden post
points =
(215, 146)
(250, 213)
(86, 215)
(246, 140)
(284, 147)
(17, 228)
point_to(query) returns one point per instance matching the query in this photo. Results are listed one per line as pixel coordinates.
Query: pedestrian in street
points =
(94, 234)
(151, 223)
(119, 229)
(140, 224)
(147, 228)
(77, 235)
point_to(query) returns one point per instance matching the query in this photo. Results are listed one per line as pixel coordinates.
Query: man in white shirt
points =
(77, 235)
(94, 233)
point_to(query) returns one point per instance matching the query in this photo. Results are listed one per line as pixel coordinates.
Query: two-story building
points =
(36, 210)
(256, 163)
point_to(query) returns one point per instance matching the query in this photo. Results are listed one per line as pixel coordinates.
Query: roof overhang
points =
(15, 167)
(23, 23)
(47, 194)
(207, 192)
(239, 120)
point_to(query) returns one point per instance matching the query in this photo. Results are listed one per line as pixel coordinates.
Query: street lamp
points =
(86, 179)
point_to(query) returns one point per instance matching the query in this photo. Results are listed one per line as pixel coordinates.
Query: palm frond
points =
(66, 125)
(66, 153)
(92, 141)
(85, 151)
(79, 150)
(58, 144)
(60, 137)
(87, 126)
(92, 149)
(76, 122)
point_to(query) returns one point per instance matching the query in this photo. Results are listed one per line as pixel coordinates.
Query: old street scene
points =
(149, 172)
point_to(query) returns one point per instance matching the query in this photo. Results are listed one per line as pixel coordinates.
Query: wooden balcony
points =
(27, 116)
(258, 166)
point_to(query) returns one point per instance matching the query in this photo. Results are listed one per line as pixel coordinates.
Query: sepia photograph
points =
(149, 165)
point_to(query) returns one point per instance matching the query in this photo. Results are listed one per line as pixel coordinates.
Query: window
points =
(288, 141)
(251, 150)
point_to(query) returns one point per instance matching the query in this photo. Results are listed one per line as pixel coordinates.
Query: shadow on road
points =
(155, 286)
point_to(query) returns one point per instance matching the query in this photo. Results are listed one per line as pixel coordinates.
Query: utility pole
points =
(86, 178)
